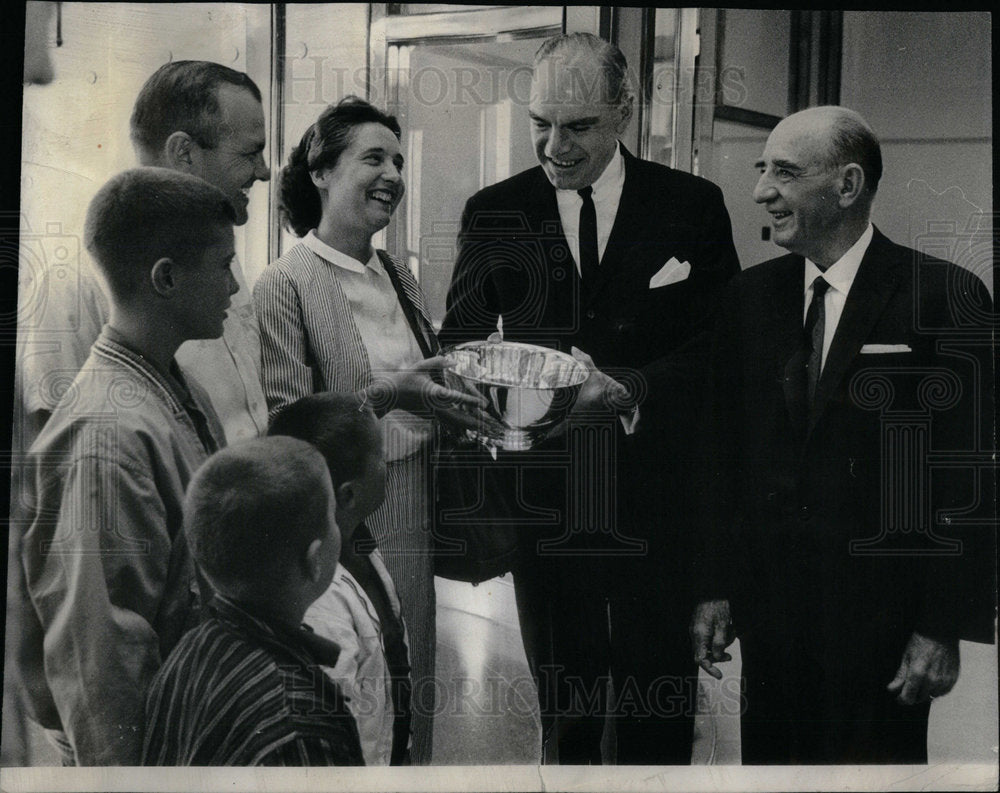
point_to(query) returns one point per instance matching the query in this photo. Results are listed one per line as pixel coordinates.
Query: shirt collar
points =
(332, 255)
(293, 641)
(171, 380)
(840, 275)
(610, 181)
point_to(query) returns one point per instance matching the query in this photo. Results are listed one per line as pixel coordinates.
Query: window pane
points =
(755, 47)
(409, 9)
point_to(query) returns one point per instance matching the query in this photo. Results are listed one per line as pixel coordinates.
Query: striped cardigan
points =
(309, 340)
(310, 343)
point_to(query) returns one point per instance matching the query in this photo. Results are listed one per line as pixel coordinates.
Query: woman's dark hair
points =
(298, 199)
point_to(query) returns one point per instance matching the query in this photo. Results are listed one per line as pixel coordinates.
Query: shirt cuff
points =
(630, 420)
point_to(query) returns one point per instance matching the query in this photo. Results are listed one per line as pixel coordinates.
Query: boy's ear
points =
(346, 494)
(177, 153)
(163, 276)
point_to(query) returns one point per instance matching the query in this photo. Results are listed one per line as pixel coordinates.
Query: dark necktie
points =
(814, 327)
(589, 259)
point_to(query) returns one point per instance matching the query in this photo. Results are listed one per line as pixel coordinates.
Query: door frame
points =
(814, 64)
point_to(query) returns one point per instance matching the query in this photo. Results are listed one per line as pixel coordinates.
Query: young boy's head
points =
(260, 522)
(350, 439)
(163, 240)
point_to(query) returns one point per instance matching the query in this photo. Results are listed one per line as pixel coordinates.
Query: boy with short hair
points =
(246, 686)
(109, 583)
(360, 610)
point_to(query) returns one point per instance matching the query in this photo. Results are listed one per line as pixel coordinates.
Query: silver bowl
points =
(530, 389)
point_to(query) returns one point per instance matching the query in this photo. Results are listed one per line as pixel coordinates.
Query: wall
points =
(326, 58)
(736, 147)
(756, 43)
(924, 83)
(75, 130)
(754, 76)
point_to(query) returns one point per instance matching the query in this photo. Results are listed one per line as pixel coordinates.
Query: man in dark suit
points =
(618, 261)
(852, 446)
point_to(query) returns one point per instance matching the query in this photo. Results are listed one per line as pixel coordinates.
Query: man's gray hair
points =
(853, 140)
(567, 47)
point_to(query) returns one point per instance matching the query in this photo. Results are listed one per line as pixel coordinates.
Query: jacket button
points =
(772, 497)
(804, 512)
(591, 313)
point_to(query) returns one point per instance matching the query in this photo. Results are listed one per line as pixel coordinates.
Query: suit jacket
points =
(868, 516)
(514, 261)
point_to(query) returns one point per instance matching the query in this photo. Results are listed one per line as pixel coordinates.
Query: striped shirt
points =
(240, 691)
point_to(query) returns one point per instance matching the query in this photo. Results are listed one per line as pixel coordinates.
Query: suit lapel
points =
(630, 219)
(628, 225)
(874, 285)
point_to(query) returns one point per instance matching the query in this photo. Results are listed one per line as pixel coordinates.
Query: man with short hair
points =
(109, 586)
(616, 260)
(853, 559)
(246, 687)
(195, 117)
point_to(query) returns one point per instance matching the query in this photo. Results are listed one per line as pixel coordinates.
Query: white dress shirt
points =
(383, 327)
(840, 276)
(607, 195)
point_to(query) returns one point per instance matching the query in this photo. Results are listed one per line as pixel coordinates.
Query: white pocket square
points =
(670, 273)
(885, 348)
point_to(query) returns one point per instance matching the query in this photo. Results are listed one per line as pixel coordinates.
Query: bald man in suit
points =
(849, 510)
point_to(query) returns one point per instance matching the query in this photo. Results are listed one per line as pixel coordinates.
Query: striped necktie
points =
(814, 328)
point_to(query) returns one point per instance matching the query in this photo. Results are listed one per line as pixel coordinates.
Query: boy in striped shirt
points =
(246, 687)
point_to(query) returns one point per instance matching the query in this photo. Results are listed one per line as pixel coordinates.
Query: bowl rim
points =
(577, 365)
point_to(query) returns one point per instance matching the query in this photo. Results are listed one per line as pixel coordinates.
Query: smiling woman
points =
(337, 315)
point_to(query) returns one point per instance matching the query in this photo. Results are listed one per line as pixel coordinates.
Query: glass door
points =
(459, 84)
(668, 64)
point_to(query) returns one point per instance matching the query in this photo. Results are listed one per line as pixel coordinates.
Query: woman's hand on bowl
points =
(478, 421)
(419, 391)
